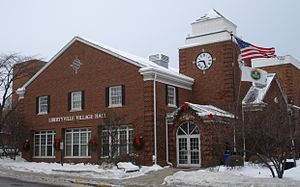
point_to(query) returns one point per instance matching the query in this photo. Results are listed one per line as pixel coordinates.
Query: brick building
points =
(92, 102)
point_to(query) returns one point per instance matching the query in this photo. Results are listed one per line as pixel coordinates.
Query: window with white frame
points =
(115, 96)
(171, 96)
(43, 104)
(77, 142)
(116, 141)
(76, 102)
(43, 143)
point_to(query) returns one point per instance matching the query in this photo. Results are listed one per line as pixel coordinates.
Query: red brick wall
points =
(289, 77)
(218, 85)
(23, 72)
(98, 71)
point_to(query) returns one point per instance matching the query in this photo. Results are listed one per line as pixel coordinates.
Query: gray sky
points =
(140, 27)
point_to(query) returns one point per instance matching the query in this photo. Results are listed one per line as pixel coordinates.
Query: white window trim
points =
(88, 130)
(39, 100)
(43, 157)
(174, 99)
(110, 97)
(53, 133)
(80, 101)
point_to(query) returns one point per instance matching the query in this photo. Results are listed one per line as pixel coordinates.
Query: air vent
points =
(160, 59)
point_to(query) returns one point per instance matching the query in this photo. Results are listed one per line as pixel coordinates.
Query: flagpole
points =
(243, 131)
(234, 95)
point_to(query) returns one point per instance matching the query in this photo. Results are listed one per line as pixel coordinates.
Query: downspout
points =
(167, 143)
(154, 119)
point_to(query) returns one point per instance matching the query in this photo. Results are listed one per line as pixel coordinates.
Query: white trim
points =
(174, 96)
(77, 157)
(281, 60)
(43, 157)
(39, 105)
(181, 81)
(110, 105)
(72, 100)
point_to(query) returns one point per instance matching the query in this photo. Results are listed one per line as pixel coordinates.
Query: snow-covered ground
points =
(88, 170)
(250, 175)
(235, 176)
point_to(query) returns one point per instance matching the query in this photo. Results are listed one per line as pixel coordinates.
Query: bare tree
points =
(8, 75)
(269, 134)
(109, 133)
(14, 132)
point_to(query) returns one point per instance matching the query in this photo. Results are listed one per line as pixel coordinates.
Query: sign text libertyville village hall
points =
(76, 118)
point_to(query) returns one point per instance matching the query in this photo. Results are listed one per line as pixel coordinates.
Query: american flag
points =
(249, 51)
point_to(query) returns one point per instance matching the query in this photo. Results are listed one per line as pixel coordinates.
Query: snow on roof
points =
(257, 93)
(211, 14)
(205, 110)
(132, 59)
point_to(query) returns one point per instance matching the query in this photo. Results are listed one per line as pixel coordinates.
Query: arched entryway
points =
(188, 145)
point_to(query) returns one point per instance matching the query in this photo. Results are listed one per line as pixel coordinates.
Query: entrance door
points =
(188, 145)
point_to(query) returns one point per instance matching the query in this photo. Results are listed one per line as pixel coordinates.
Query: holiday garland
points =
(184, 109)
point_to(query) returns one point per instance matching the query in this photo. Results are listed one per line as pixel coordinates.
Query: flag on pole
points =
(254, 75)
(249, 51)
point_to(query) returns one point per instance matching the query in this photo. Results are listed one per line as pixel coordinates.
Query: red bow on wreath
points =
(185, 106)
(137, 140)
(92, 141)
(57, 143)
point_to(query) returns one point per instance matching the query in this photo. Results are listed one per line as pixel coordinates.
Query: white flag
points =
(254, 75)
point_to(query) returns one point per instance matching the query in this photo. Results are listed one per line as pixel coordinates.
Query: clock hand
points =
(203, 63)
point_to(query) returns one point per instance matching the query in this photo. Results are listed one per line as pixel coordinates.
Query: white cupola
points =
(211, 28)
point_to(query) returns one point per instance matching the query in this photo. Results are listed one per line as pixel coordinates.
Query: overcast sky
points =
(140, 27)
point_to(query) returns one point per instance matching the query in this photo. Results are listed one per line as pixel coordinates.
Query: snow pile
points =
(128, 167)
(249, 175)
(82, 170)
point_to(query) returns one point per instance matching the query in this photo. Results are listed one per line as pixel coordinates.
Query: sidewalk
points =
(154, 178)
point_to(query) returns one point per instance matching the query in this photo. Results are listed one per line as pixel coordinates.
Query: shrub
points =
(235, 160)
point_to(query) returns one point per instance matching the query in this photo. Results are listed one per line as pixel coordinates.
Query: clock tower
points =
(210, 57)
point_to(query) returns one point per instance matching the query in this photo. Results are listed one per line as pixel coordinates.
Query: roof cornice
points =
(180, 80)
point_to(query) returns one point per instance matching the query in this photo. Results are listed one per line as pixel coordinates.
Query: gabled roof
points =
(205, 110)
(129, 58)
(211, 14)
(257, 93)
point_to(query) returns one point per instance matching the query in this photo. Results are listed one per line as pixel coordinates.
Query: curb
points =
(86, 183)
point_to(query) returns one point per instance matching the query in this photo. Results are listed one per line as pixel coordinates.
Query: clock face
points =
(204, 61)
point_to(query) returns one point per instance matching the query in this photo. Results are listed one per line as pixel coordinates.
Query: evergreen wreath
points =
(138, 142)
(56, 144)
(26, 145)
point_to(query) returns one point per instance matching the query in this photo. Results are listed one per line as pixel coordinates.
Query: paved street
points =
(10, 182)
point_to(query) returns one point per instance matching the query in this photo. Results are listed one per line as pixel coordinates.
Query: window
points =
(171, 96)
(77, 142)
(43, 104)
(43, 143)
(116, 141)
(76, 101)
(115, 96)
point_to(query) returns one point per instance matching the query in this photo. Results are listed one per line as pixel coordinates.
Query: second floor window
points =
(76, 101)
(171, 96)
(43, 104)
(115, 96)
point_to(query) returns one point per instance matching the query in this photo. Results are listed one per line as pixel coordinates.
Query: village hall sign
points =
(60, 119)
